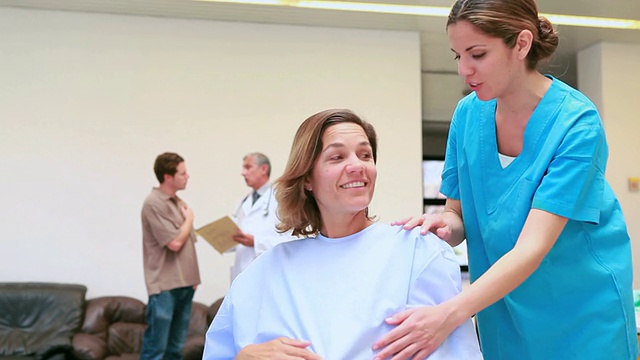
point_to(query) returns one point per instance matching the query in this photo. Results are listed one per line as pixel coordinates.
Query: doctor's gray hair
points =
(261, 159)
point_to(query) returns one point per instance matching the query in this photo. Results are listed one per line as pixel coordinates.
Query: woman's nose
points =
(355, 166)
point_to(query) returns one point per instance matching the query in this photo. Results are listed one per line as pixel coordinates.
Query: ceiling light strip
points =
(377, 8)
(588, 21)
(439, 11)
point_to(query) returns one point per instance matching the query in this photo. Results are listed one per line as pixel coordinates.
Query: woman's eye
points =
(457, 57)
(478, 56)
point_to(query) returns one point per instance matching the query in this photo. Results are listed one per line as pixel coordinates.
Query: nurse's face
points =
(486, 64)
(344, 174)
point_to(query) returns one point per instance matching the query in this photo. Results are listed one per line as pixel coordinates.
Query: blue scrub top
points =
(578, 304)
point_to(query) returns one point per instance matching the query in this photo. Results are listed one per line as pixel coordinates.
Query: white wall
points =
(607, 74)
(440, 95)
(87, 101)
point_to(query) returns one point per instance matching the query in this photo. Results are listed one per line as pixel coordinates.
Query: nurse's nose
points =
(464, 69)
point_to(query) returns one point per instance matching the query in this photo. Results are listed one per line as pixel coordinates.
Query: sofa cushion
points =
(199, 322)
(123, 357)
(103, 311)
(38, 318)
(125, 338)
(87, 347)
(114, 329)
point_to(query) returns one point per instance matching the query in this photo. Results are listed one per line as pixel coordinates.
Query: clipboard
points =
(219, 233)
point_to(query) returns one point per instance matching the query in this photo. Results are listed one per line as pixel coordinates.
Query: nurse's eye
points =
(456, 57)
(478, 56)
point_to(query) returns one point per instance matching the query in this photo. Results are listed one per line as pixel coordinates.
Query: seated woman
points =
(327, 294)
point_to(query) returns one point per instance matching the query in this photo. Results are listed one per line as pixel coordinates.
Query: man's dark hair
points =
(166, 163)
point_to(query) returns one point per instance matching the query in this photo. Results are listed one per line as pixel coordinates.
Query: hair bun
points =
(547, 38)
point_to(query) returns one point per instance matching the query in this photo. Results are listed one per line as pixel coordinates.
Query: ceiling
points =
(436, 56)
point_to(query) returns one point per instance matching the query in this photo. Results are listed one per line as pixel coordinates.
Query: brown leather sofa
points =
(114, 326)
(55, 321)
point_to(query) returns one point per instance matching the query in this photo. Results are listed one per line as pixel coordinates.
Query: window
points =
(431, 179)
(434, 200)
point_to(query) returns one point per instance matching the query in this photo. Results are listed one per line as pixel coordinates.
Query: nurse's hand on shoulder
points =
(427, 222)
(278, 349)
(419, 333)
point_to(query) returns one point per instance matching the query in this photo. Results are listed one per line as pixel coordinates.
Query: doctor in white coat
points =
(256, 214)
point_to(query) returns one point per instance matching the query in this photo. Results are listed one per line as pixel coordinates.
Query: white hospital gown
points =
(336, 293)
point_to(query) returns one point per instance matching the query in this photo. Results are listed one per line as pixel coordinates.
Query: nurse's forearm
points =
(501, 278)
(455, 227)
(453, 218)
(513, 268)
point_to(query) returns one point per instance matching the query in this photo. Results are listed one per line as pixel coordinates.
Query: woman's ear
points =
(523, 44)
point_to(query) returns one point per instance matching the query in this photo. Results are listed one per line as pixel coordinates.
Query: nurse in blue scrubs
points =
(524, 176)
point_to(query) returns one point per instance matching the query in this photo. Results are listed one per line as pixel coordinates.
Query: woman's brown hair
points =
(297, 208)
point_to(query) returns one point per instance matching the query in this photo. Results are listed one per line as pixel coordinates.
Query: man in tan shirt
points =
(170, 263)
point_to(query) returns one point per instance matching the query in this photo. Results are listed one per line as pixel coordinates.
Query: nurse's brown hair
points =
(505, 19)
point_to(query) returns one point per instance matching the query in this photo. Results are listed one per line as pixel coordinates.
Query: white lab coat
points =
(260, 220)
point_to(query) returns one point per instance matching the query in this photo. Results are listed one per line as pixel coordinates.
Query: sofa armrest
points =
(213, 309)
(193, 348)
(88, 347)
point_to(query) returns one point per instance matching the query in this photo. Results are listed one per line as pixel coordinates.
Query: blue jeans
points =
(168, 315)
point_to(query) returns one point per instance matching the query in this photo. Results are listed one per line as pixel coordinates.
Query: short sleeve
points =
(219, 342)
(161, 227)
(574, 184)
(450, 182)
(438, 279)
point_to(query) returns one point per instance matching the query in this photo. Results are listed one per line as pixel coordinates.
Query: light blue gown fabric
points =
(578, 304)
(336, 293)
